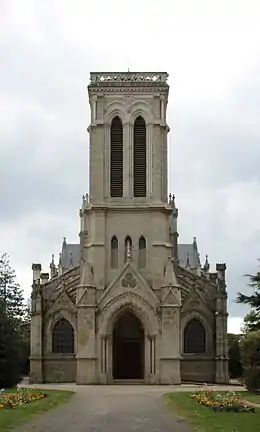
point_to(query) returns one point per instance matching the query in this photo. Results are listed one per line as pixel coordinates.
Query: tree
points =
(234, 363)
(10, 292)
(10, 349)
(25, 328)
(250, 351)
(252, 320)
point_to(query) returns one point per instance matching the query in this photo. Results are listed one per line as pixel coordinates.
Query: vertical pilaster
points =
(149, 162)
(36, 372)
(170, 346)
(107, 159)
(127, 153)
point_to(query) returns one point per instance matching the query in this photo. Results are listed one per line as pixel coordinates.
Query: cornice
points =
(122, 88)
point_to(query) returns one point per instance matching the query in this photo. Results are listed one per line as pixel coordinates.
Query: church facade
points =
(128, 302)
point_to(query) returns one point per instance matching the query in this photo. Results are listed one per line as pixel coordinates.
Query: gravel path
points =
(109, 409)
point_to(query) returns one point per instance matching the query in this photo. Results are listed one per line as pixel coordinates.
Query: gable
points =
(196, 300)
(62, 302)
(129, 279)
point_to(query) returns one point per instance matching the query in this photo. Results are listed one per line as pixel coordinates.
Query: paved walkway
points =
(111, 409)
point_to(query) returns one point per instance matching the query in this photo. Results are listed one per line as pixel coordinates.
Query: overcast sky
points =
(211, 50)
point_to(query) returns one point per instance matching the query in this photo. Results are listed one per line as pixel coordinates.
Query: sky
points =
(211, 51)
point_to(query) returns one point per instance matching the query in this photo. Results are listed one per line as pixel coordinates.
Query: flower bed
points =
(21, 396)
(229, 401)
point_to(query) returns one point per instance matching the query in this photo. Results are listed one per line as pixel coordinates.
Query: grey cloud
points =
(44, 152)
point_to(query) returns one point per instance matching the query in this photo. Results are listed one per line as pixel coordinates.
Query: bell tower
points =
(128, 137)
(128, 198)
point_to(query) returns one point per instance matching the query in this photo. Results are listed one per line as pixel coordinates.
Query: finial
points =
(60, 259)
(170, 198)
(188, 261)
(52, 259)
(71, 260)
(64, 241)
(206, 265)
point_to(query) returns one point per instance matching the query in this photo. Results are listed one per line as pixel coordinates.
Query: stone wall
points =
(60, 369)
(198, 370)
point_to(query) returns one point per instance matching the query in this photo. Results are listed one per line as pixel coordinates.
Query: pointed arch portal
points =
(128, 347)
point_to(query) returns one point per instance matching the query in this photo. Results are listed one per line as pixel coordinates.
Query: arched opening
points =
(63, 337)
(128, 347)
(128, 247)
(194, 338)
(116, 158)
(114, 252)
(139, 157)
(142, 253)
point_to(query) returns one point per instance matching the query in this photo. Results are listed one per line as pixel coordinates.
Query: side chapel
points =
(129, 303)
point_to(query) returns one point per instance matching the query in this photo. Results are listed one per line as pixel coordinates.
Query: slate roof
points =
(71, 253)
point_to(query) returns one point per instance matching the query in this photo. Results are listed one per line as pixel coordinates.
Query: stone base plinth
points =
(170, 371)
(86, 371)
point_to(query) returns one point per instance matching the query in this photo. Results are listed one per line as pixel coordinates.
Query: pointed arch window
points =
(128, 247)
(139, 157)
(142, 252)
(116, 158)
(194, 337)
(114, 252)
(63, 337)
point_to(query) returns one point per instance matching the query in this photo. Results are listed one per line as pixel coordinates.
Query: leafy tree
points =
(234, 363)
(10, 292)
(10, 349)
(25, 336)
(252, 320)
(250, 351)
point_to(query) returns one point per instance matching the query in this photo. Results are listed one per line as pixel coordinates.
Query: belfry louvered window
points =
(63, 337)
(139, 157)
(116, 158)
(194, 338)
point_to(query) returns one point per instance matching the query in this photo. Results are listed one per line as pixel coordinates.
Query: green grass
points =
(204, 420)
(251, 397)
(16, 416)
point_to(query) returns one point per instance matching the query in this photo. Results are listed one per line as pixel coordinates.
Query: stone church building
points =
(129, 303)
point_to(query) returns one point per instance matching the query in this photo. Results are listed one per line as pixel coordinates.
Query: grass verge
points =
(10, 418)
(203, 419)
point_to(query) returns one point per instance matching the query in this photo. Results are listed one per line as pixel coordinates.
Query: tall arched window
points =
(128, 247)
(139, 157)
(116, 158)
(63, 337)
(114, 252)
(194, 338)
(142, 253)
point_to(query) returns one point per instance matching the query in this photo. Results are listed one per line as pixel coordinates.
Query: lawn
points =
(17, 415)
(203, 419)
